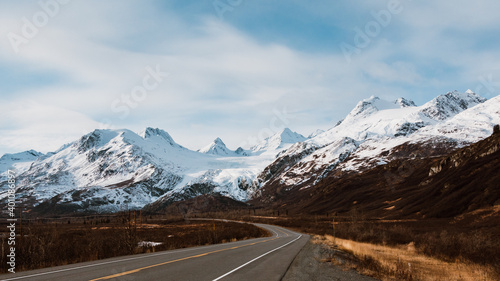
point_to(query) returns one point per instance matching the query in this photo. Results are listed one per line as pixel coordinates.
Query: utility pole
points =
(333, 225)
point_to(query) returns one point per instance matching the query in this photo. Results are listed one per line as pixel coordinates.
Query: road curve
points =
(255, 259)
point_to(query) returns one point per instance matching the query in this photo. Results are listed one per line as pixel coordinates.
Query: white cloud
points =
(218, 69)
(395, 72)
(28, 124)
(223, 81)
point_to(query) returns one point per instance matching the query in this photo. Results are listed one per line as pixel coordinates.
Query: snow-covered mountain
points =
(109, 170)
(218, 147)
(450, 104)
(468, 126)
(279, 141)
(19, 161)
(376, 132)
(105, 168)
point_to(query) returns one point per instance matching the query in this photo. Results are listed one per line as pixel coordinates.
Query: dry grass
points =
(405, 263)
(53, 243)
(470, 239)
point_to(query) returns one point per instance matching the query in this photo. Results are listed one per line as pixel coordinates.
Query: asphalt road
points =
(256, 259)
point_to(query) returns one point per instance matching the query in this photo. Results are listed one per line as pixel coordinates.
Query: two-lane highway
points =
(256, 259)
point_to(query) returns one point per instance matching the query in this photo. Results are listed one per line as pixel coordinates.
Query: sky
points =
(236, 69)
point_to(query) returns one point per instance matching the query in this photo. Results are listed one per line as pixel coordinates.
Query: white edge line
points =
(243, 265)
(80, 267)
(109, 262)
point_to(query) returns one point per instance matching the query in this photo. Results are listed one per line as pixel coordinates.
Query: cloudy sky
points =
(235, 69)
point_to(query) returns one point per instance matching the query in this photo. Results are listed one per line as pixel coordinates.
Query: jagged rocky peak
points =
(16, 160)
(150, 133)
(241, 151)
(279, 140)
(25, 155)
(404, 102)
(464, 100)
(33, 153)
(288, 136)
(95, 139)
(217, 147)
(88, 141)
(371, 105)
(364, 106)
(19, 161)
(450, 104)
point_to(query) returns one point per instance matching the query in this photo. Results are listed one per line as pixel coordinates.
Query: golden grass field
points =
(404, 262)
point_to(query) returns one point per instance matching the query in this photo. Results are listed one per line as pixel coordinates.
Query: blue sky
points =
(235, 69)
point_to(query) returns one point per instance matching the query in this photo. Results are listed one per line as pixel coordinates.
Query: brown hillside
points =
(463, 181)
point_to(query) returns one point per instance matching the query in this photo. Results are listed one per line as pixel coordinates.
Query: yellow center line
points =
(282, 232)
(186, 258)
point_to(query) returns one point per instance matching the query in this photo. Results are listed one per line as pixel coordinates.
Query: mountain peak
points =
(404, 102)
(96, 138)
(219, 141)
(450, 104)
(20, 161)
(25, 155)
(469, 97)
(285, 132)
(289, 136)
(371, 105)
(278, 140)
(217, 147)
(150, 133)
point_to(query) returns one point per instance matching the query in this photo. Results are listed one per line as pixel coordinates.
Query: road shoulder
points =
(309, 265)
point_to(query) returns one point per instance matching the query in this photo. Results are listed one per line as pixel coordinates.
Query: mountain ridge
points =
(462, 181)
(105, 169)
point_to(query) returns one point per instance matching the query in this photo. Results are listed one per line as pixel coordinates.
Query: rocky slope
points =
(460, 182)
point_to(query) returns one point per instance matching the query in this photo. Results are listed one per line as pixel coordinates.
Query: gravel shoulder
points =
(309, 265)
